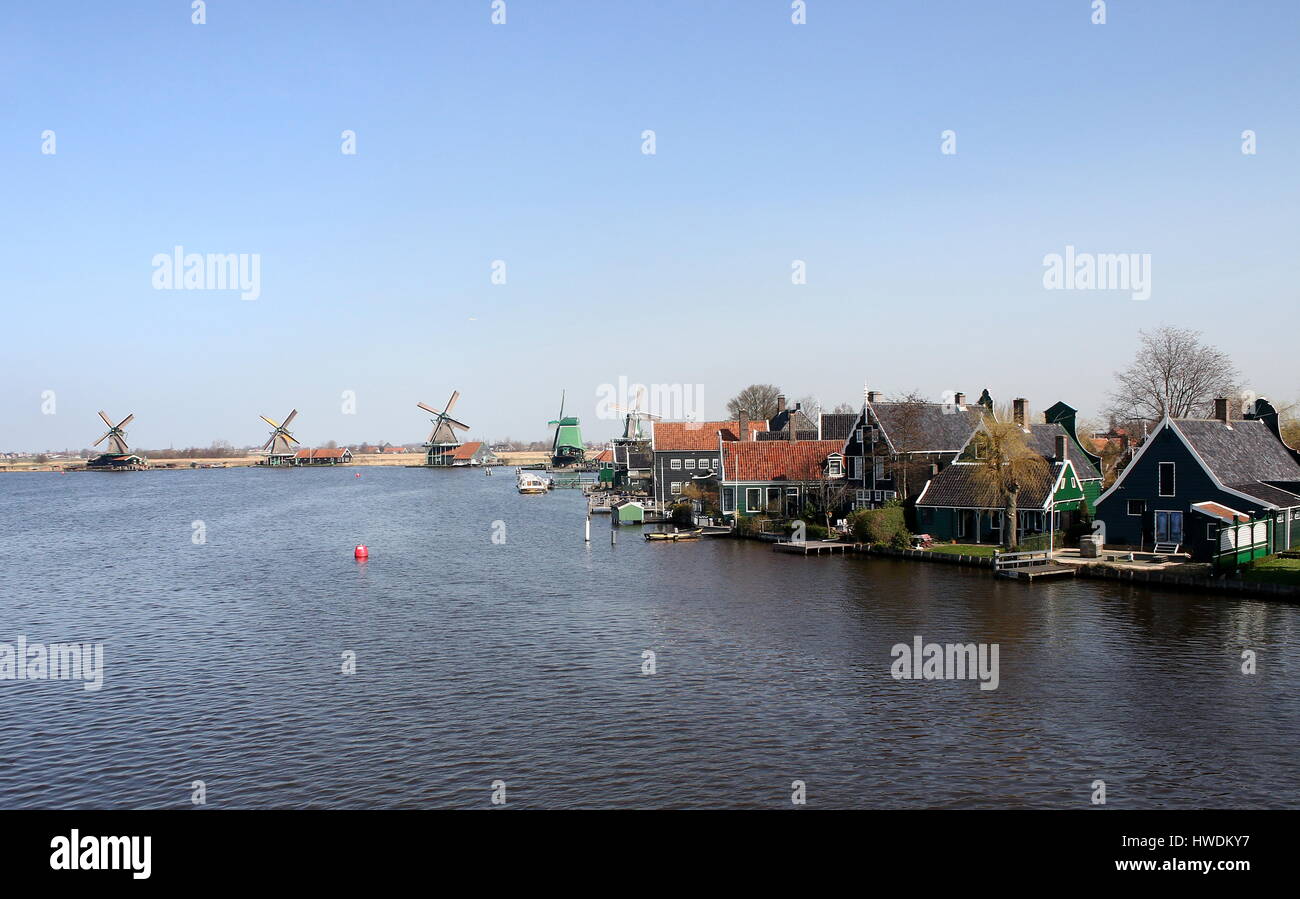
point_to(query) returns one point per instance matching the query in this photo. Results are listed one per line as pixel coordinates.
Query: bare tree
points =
(844, 409)
(908, 434)
(757, 401)
(1173, 374)
(1005, 463)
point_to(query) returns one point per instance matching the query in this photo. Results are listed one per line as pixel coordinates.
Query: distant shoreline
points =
(358, 459)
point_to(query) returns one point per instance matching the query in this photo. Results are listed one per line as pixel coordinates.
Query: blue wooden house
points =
(1192, 476)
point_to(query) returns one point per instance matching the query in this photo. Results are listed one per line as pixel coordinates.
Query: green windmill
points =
(567, 447)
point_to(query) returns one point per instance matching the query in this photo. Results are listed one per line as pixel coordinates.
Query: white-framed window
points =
(887, 495)
(728, 499)
(754, 499)
(858, 436)
(690, 463)
(675, 464)
(1167, 487)
(834, 466)
(1137, 507)
(675, 487)
(878, 470)
(877, 495)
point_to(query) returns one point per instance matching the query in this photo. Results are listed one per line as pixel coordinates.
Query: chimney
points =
(959, 399)
(1020, 410)
(780, 403)
(1060, 447)
(741, 427)
(873, 396)
(1221, 409)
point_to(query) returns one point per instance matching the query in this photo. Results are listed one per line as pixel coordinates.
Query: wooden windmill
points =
(634, 416)
(442, 439)
(567, 447)
(279, 446)
(118, 455)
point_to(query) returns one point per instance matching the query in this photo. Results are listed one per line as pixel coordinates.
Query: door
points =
(1169, 527)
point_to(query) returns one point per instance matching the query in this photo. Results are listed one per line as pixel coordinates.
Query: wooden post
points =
(587, 535)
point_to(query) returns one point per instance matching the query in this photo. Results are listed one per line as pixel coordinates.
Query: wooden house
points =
(777, 477)
(688, 450)
(1194, 476)
(893, 449)
(473, 453)
(325, 456)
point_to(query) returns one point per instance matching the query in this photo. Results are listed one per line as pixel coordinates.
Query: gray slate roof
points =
(937, 427)
(838, 425)
(1245, 452)
(1042, 440)
(962, 486)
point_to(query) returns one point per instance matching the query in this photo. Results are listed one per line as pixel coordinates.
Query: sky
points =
(523, 143)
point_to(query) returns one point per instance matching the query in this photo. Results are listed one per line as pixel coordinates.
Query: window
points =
(858, 436)
(853, 467)
(878, 469)
(834, 466)
(728, 499)
(754, 499)
(675, 464)
(1209, 531)
(774, 498)
(1166, 479)
(690, 463)
(1137, 506)
(675, 487)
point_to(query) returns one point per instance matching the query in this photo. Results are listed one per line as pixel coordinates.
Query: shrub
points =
(683, 514)
(885, 526)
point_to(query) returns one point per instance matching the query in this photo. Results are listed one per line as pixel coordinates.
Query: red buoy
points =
(361, 552)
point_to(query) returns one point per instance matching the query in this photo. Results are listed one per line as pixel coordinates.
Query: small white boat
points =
(532, 483)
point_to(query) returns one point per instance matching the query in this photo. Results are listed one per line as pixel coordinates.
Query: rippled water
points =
(521, 661)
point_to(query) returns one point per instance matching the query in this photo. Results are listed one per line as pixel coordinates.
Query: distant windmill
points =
(634, 416)
(442, 439)
(116, 436)
(119, 456)
(279, 446)
(567, 447)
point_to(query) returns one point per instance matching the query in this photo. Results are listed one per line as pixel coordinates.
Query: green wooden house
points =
(628, 511)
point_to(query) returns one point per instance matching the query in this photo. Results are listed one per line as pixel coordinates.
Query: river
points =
(493, 645)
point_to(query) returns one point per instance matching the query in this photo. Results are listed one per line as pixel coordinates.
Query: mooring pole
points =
(613, 536)
(587, 535)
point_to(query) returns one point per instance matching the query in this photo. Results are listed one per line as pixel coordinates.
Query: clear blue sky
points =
(522, 142)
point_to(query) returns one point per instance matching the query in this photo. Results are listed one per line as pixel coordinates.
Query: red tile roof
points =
(466, 451)
(395, 449)
(777, 460)
(320, 453)
(604, 456)
(689, 436)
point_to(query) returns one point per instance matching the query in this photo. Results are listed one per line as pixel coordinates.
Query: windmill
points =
(567, 447)
(633, 418)
(279, 446)
(442, 439)
(118, 454)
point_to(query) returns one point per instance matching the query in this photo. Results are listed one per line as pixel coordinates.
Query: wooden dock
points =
(814, 547)
(1035, 572)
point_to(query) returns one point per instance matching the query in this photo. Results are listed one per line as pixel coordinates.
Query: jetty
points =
(814, 547)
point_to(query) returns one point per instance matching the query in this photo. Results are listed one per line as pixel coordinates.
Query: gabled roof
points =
(693, 436)
(802, 422)
(963, 485)
(926, 427)
(321, 453)
(1240, 451)
(466, 451)
(777, 460)
(1042, 440)
(1239, 456)
(605, 455)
